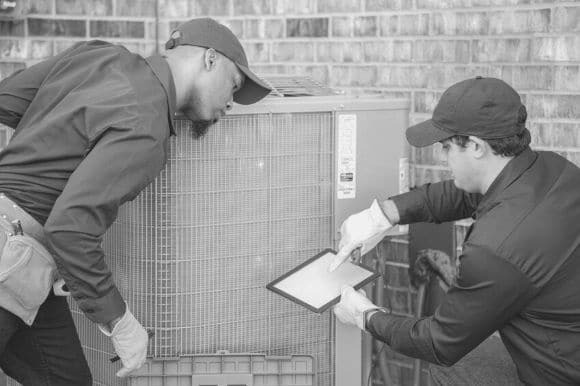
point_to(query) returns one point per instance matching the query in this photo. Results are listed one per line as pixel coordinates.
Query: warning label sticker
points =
(346, 157)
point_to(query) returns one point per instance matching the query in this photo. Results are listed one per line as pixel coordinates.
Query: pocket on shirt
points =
(27, 270)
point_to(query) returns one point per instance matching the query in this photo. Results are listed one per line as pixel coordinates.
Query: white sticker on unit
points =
(346, 159)
(404, 185)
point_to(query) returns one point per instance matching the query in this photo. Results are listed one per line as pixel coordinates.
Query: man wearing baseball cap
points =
(91, 130)
(519, 269)
(208, 62)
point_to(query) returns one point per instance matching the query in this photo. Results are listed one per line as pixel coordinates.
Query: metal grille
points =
(293, 86)
(231, 212)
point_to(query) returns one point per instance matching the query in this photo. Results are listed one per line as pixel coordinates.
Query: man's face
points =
(462, 165)
(213, 94)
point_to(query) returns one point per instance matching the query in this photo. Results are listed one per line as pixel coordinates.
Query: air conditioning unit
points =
(266, 189)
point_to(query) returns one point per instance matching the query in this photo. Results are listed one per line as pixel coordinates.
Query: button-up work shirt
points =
(519, 271)
(91, 129)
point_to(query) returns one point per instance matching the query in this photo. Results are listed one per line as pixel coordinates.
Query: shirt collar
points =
(161, 70)
(510, 173)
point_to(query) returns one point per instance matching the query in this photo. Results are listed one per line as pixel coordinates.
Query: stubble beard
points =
(199, 127)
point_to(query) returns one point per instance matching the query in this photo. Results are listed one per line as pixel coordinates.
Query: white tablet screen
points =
(312, 285)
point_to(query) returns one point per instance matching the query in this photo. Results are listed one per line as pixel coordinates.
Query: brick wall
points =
(409, 48)
(403, 48)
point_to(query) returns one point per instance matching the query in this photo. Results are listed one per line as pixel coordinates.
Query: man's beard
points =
(199, 127)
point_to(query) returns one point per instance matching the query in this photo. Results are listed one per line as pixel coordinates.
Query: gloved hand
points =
(130, 341)
(352, 306)
(361, 230)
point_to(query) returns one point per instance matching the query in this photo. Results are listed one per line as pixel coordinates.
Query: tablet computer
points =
(312, 285)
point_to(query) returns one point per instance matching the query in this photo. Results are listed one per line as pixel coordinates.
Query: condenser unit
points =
(264, 190)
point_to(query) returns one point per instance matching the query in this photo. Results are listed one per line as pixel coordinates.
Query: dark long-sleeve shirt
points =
(519, 271)
(91, 131)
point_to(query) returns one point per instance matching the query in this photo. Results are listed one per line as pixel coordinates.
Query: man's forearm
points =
(390, 210)
(406, 335)
(435, 202)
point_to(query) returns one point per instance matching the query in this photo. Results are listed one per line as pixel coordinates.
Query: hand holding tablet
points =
(313, 286)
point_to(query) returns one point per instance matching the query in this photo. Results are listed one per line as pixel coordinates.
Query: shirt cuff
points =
(104, 309)
(372, 311)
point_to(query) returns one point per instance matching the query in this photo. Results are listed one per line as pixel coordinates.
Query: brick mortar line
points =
(534, 93)
(523, 92)
(441, 90)
(378, 14)
(429, 64)
(394, 38)
(360, 13)
(81, 39)
(387, 88)
(557, 148)
(554, 120)
(350, 39)
(442, 64)
(61, 38)
(550, 93)
(531, 120)
(92, 17)
(397, 239)
(397, 264)
(415, 11)
(432, 167)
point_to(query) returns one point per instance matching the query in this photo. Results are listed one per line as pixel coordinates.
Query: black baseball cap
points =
(487, 108)
(208, 33)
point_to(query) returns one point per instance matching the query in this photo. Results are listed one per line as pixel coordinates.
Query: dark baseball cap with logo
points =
(487, 108)
(208, 33)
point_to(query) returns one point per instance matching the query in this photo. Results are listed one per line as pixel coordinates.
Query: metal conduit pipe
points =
(380, 300)
(418, 314)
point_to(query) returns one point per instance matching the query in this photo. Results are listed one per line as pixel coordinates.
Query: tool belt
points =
(27, 269)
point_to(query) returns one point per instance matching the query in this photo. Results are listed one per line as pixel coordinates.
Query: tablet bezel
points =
(272, 285)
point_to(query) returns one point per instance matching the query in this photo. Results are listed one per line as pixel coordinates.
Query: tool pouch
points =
(27, 272)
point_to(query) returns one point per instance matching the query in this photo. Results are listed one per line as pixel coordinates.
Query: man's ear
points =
(210, 58)
(480, 147)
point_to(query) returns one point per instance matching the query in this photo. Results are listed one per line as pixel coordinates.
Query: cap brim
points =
(253, 90)
(425, 134)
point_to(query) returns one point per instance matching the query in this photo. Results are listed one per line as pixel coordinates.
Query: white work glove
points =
(352, 307)
(361, 230)
(130, 341)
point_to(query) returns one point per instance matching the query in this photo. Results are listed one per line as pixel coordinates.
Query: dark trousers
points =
(48, 353)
